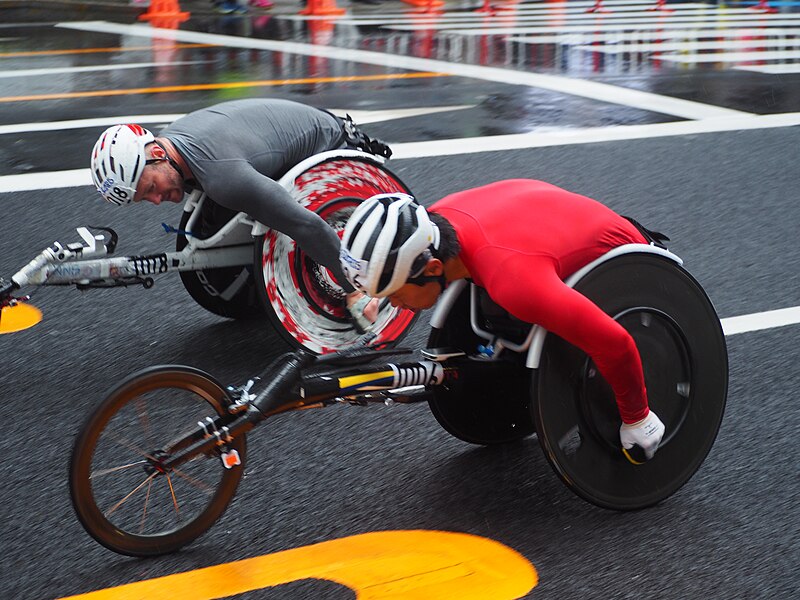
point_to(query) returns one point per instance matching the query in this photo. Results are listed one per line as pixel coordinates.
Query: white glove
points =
(646, 434)
(364, 312)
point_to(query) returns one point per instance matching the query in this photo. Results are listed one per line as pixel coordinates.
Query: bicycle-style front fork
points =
(289, 390)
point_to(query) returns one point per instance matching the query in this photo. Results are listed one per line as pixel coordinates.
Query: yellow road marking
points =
(219, 86)
(99, 50)
(19, 317)
(346, 382)
(384, 565)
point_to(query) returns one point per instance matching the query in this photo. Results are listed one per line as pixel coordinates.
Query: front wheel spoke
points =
(144, 508)
(143, 414)
(174, 497)
(125, 443)
(102, 472)
(201, 485)
(150, 478)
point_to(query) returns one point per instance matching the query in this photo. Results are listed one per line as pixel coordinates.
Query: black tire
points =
(129, 428)
(685, 362)
(488, 403)
(225, 291)
(300, 297)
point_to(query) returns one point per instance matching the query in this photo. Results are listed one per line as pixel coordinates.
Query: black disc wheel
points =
(485, 402)
(302, 298)
(225, 291)
(122, 493)
(685, 363)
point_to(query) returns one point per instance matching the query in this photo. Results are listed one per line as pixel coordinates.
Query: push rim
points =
(657, 337)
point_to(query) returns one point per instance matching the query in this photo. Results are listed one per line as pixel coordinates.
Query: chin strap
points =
(430, 253)
(424, 279)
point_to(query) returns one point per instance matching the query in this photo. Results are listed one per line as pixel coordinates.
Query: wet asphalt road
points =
(728, 200)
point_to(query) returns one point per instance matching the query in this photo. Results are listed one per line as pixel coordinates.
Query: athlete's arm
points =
(530, 289)
(235, 184)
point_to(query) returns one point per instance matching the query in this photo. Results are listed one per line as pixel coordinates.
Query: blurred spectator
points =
(229, 7)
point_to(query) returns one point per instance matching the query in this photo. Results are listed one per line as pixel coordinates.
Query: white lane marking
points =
(78, 177)
(587, 89)
(435, 21)
(91, 69)
(45, 180)
(359, 116)
(363, 117)
(729, 57)
(690, 46)
(555, 9)
(599, 24)
(631, 20)
(86, 123)
(573, 39)
(761, 320)
(565, 137)
(772, 69)
(590, 28)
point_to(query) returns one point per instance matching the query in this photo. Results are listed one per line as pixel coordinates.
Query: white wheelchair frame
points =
(231, 245)
(534, 341)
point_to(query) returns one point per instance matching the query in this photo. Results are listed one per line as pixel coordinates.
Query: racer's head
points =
(129, 165)
(390, 248)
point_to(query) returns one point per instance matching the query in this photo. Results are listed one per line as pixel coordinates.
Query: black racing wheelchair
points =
(159, 460)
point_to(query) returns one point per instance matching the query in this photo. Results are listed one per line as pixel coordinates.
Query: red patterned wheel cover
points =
(304, 296)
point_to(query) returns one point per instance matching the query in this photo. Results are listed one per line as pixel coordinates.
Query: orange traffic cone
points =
(322, 8)
(164, 13)
(426, 5)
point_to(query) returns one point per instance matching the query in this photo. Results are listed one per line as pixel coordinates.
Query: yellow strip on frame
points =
(350, 381)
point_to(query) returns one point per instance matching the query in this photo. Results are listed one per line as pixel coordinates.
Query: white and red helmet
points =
(118, 159)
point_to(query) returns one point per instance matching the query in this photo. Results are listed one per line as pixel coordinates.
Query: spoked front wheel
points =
(122, 493)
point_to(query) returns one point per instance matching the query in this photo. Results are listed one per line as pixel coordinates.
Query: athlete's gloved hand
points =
(641, 437)
(363, 309)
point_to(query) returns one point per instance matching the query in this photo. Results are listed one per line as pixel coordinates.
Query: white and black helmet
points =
(387, 241)
(118, 159)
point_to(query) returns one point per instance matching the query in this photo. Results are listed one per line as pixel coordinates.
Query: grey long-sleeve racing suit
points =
(237, 150)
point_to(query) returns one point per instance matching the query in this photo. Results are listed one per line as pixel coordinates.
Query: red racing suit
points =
(520, 239)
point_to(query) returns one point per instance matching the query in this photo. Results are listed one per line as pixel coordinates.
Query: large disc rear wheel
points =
(685, 362)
